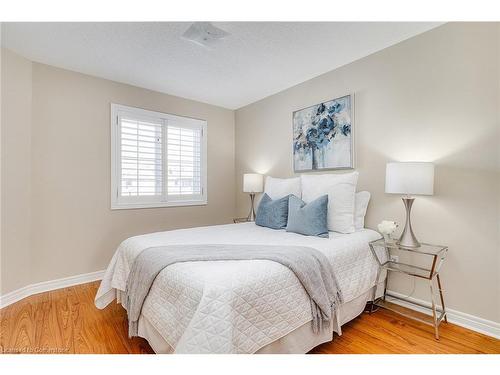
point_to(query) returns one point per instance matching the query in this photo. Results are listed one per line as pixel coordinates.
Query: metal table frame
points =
(432, 275)
(240, 220)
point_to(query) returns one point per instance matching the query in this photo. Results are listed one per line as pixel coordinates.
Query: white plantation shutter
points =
(141, 158)
(157, 159)
(183, 161)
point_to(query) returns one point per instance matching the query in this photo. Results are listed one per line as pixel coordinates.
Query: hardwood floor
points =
(66, 321)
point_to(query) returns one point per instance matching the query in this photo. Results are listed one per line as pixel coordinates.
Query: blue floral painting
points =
(322, 136)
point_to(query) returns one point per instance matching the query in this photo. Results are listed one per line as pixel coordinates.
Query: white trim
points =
(487, 327)
(130, 206)
(46, 286)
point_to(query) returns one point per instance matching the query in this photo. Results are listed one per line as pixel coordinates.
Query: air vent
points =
(204, 34)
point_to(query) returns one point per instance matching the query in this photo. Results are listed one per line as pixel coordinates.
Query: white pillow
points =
(362, 198)
(341, 190)
(278, 188)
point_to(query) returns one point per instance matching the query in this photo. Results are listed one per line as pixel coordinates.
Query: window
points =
(157, 159)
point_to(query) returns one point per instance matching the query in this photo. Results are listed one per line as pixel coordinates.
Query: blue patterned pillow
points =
(272, 213)
(308, 219)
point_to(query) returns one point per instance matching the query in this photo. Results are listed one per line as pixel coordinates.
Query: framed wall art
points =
(323, 136)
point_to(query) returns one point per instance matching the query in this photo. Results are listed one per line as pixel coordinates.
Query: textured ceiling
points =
(256, 60)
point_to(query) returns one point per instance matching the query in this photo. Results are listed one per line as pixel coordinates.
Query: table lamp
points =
(409, 178)
(252, 183)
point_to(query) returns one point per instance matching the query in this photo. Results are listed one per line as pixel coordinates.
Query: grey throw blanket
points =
(309, 265)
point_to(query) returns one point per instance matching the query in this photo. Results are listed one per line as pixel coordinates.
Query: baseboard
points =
(46, 286)
(488, 327)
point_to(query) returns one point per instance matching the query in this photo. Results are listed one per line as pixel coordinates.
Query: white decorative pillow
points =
(278, 188)
(361, 204)
(341, 190)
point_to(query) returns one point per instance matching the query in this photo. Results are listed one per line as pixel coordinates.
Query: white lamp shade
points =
(410, 178)
(253, 183)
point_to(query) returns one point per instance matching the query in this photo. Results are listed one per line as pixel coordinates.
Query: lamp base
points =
(408, 238)
(251, 214)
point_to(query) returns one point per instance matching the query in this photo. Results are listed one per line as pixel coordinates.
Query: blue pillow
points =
(308, 219)
(272, 213)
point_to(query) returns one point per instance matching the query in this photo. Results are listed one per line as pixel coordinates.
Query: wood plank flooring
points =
(66, 321)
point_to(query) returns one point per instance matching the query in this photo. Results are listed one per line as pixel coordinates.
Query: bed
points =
(254, 306)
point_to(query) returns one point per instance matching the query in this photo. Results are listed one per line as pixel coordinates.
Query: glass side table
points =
(241, 220)
(431, 255)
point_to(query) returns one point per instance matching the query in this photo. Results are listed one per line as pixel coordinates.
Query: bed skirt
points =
(299, 341)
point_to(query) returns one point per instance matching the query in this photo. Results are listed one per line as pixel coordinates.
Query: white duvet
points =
(235, 306)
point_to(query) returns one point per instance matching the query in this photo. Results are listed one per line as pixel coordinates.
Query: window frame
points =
(118, 202)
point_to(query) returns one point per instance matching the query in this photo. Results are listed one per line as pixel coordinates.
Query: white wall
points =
(56, 172)
(16, 171)
(433, 98)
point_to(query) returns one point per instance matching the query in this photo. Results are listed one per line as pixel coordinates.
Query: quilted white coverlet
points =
(235, 306)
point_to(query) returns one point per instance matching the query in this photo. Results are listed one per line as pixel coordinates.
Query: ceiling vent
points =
(204, 34)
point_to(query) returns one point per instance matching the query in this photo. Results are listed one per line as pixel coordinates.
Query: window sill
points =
(133, 206)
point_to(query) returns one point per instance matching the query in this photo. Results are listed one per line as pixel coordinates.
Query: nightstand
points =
(241, 220)
(432, 256)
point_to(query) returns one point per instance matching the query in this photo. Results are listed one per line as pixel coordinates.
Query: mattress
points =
(235, 306)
